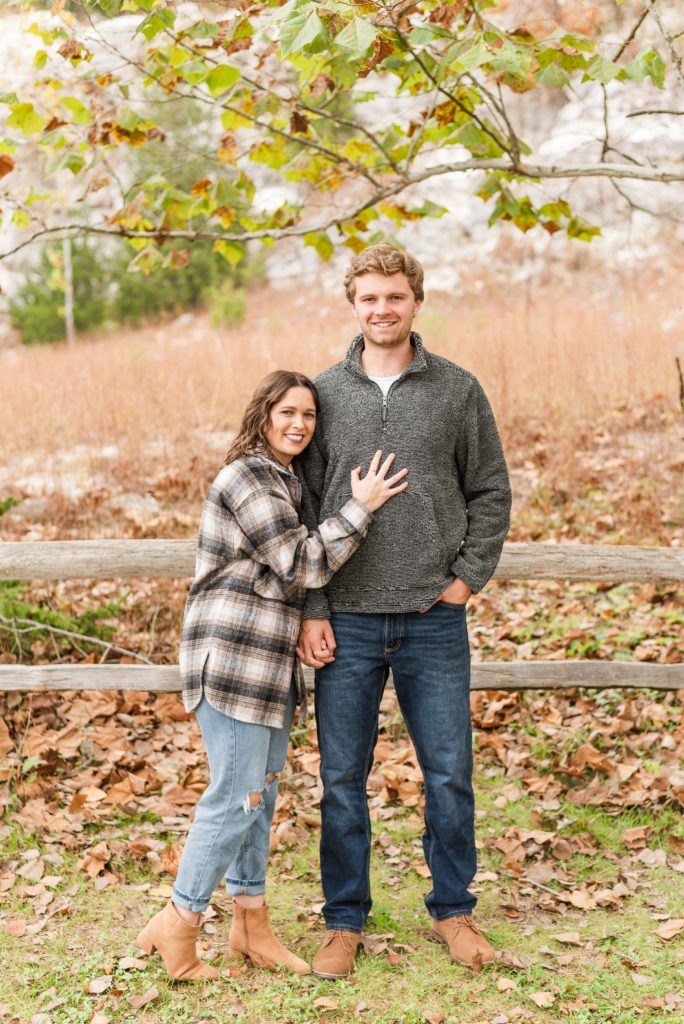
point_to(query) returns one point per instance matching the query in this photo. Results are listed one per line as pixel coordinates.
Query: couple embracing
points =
(304, 554)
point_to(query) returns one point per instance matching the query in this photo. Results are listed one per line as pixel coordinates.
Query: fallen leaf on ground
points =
(640, 979)
(98, 985)
(16, 928)
(572, 938)
(635, 838)
(131, 963)
(543, 999)
(669, 929)
(95, 860)
(506, 959)
(235, 1007)
(142, 1000)
(326, 1004)
(162, 890)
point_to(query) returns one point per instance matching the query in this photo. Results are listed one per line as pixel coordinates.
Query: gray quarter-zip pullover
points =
(452, 519)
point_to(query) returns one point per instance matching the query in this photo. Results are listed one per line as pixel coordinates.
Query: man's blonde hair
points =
(386, 259)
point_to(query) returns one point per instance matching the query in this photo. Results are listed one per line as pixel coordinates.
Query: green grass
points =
(60, 955)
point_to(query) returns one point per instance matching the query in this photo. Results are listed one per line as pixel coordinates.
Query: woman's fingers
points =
(397, 476)
(375, 461)
(395, 488)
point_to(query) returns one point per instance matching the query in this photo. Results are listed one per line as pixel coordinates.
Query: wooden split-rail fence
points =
(130, 559)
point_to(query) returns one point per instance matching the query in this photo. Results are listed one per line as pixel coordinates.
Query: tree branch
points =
(513, 144)
(499, 165)
(646, 113)
(31, 626)
(669, 40)
(633, 205)
(642, 17)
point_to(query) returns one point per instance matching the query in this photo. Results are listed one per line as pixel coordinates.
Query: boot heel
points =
(145, 941)
(236, 954)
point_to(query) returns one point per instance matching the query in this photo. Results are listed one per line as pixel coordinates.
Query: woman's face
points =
(291, 424)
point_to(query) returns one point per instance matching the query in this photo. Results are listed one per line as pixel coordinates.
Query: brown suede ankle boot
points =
(176, 941)
(251, 936)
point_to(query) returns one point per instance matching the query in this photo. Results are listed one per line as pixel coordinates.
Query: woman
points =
(255, 559)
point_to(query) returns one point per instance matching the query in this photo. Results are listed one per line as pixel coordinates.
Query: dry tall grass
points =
(553, 356)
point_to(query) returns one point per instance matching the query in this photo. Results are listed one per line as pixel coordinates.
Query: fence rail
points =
(126, 559)
(123, 559)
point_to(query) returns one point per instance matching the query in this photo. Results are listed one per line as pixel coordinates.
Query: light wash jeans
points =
(430, 660)
(229, 837)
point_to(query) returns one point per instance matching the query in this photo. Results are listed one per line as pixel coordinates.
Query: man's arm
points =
(484, 478)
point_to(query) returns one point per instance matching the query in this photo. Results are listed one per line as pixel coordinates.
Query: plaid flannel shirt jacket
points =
(255, 560)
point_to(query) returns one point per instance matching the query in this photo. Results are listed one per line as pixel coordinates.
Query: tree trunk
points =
(68, 292)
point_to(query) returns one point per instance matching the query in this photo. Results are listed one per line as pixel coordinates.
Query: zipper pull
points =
(384, 409)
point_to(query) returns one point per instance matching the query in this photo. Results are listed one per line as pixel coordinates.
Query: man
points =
(400, 602)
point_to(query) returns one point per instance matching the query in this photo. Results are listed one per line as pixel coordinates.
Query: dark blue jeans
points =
(430, 661)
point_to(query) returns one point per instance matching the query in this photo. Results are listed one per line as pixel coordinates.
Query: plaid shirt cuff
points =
(357, 515)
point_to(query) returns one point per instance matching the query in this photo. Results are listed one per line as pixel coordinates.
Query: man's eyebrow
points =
(373, 294)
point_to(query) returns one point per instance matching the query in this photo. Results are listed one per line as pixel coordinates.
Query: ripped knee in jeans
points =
(254, 801)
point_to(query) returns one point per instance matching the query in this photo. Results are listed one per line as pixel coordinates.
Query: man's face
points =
(385, 307)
